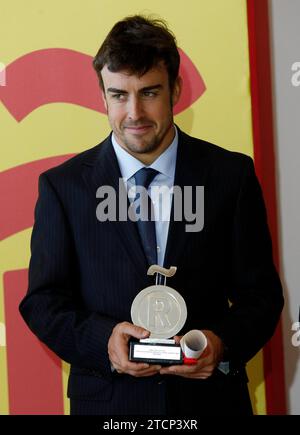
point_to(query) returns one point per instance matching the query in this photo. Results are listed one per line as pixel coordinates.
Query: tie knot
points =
(145, 176)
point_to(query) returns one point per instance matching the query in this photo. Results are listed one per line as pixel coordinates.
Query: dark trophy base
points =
(155, 351)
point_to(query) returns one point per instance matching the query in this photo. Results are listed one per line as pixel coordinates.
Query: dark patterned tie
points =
(146, 228)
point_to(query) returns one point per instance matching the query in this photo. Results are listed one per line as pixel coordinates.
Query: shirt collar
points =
(129, 165)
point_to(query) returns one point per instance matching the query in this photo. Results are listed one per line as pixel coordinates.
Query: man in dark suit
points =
(86, 271)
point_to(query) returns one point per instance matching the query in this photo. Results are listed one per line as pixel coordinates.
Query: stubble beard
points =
(144, 145)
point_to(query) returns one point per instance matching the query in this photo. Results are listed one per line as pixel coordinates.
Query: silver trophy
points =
(162, 311)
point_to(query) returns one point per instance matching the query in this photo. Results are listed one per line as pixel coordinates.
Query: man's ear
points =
(177, 90)
(104, 98)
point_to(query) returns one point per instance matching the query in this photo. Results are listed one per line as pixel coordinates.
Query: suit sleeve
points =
(52, 308)
(256, 292)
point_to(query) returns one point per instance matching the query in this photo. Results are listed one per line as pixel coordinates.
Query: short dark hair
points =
(137, 44)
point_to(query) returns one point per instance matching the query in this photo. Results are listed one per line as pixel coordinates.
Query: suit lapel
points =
(102, 169)
(192, 168)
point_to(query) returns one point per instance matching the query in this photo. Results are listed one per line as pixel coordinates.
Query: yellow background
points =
(213, 33)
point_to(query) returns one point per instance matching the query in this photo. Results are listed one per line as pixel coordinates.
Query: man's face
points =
(140, 109)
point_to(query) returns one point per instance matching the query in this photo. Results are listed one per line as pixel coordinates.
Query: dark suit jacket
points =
(84, 275)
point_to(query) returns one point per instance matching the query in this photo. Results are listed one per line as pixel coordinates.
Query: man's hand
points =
(205, 365)
(118, 350)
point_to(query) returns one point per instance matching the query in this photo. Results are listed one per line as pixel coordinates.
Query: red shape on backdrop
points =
(61, 75)
(193, 84)
(48, 76)
(34, 372)
(18, 194)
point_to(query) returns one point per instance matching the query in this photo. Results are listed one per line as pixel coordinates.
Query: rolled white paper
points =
(193, 343)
